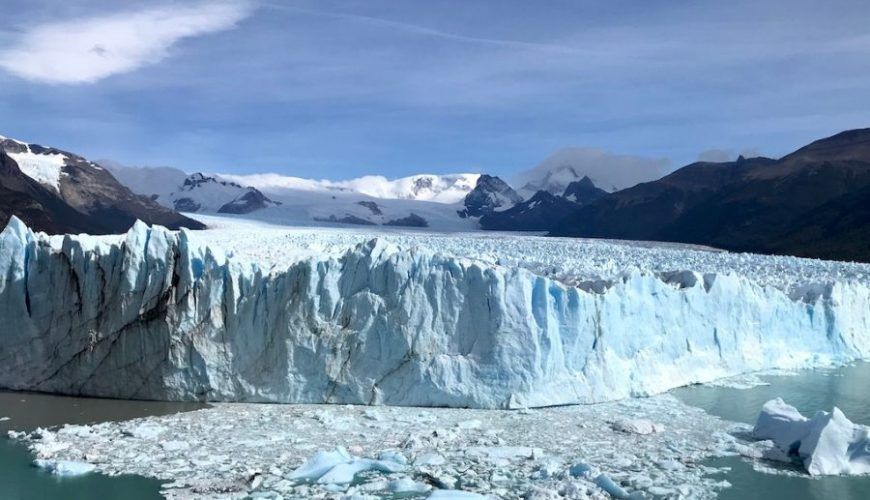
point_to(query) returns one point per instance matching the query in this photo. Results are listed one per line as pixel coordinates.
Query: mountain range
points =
(814, 202)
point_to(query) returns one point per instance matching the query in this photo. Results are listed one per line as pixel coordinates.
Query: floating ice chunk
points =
(147, 430)
(835, 445)
(827, 444)
(781, 423)
(321, 463)
(504, 452)
(470, 424)
(455, 495)
(339, 467)
(579, 469)
(408, 485)
(64, 467)
(429, 459)
(175, 445)
(393, 456)
(344, 473)
(4, 419)
(607, 484)
(638, 426)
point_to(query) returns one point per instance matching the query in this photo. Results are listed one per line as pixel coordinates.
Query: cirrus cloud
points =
(87, 50)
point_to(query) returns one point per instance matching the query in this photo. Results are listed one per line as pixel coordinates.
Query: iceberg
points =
(160, 315)
(339, 467)
(64, 467)
(827, 444)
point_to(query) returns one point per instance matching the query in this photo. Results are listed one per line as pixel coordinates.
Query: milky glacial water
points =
(809, 391)
(20, 480)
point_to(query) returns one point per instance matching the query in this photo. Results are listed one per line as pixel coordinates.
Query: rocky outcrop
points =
(412, 220)
(489, 194)
(247, 203)
(539, 213)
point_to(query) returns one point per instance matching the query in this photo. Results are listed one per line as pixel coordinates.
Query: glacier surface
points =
(404, 320)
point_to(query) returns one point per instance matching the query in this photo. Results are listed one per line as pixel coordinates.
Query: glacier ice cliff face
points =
(157, 317)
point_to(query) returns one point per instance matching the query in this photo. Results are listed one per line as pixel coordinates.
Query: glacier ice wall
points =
(155, 317)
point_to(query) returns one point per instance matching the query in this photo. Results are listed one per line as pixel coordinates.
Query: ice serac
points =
(157, 317)
(827, 444)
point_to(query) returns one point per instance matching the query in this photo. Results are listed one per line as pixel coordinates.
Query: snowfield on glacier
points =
(257, 313)
(573, 261)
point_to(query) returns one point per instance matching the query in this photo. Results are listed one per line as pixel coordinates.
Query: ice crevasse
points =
(157, 317)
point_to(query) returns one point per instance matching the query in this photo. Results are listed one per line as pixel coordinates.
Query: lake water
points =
(20, 480)
(809, 391)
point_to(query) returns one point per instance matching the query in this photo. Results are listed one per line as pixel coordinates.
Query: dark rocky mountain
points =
(247, 203)
(489, 193)
(59, 192)
(412, 220)
(346, 219)
(538, 213)
(814, 202)
(583, 192)
(543, 210)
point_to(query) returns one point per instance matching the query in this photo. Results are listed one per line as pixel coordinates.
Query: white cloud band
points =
(89, 49)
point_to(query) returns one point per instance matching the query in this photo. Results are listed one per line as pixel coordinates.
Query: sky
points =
(338, 89)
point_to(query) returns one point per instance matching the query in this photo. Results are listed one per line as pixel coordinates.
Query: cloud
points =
(715, 155)
(87, 50)
(723, 155)
(606, 170)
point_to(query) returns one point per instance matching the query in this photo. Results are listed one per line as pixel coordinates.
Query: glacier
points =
(162, 315)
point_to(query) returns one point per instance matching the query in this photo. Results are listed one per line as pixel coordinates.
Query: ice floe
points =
(296, 451)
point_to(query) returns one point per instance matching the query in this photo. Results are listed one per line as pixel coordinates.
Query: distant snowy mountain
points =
(190, 193)
(608, 171)
(420, 201)
(60, 192)
(200, 192)
(449, 188)
(489, 194)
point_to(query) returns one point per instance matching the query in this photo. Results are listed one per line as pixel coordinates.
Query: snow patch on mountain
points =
(43, 168)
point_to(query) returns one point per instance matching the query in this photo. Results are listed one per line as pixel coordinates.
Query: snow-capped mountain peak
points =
(446, 188)
(212, 193)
